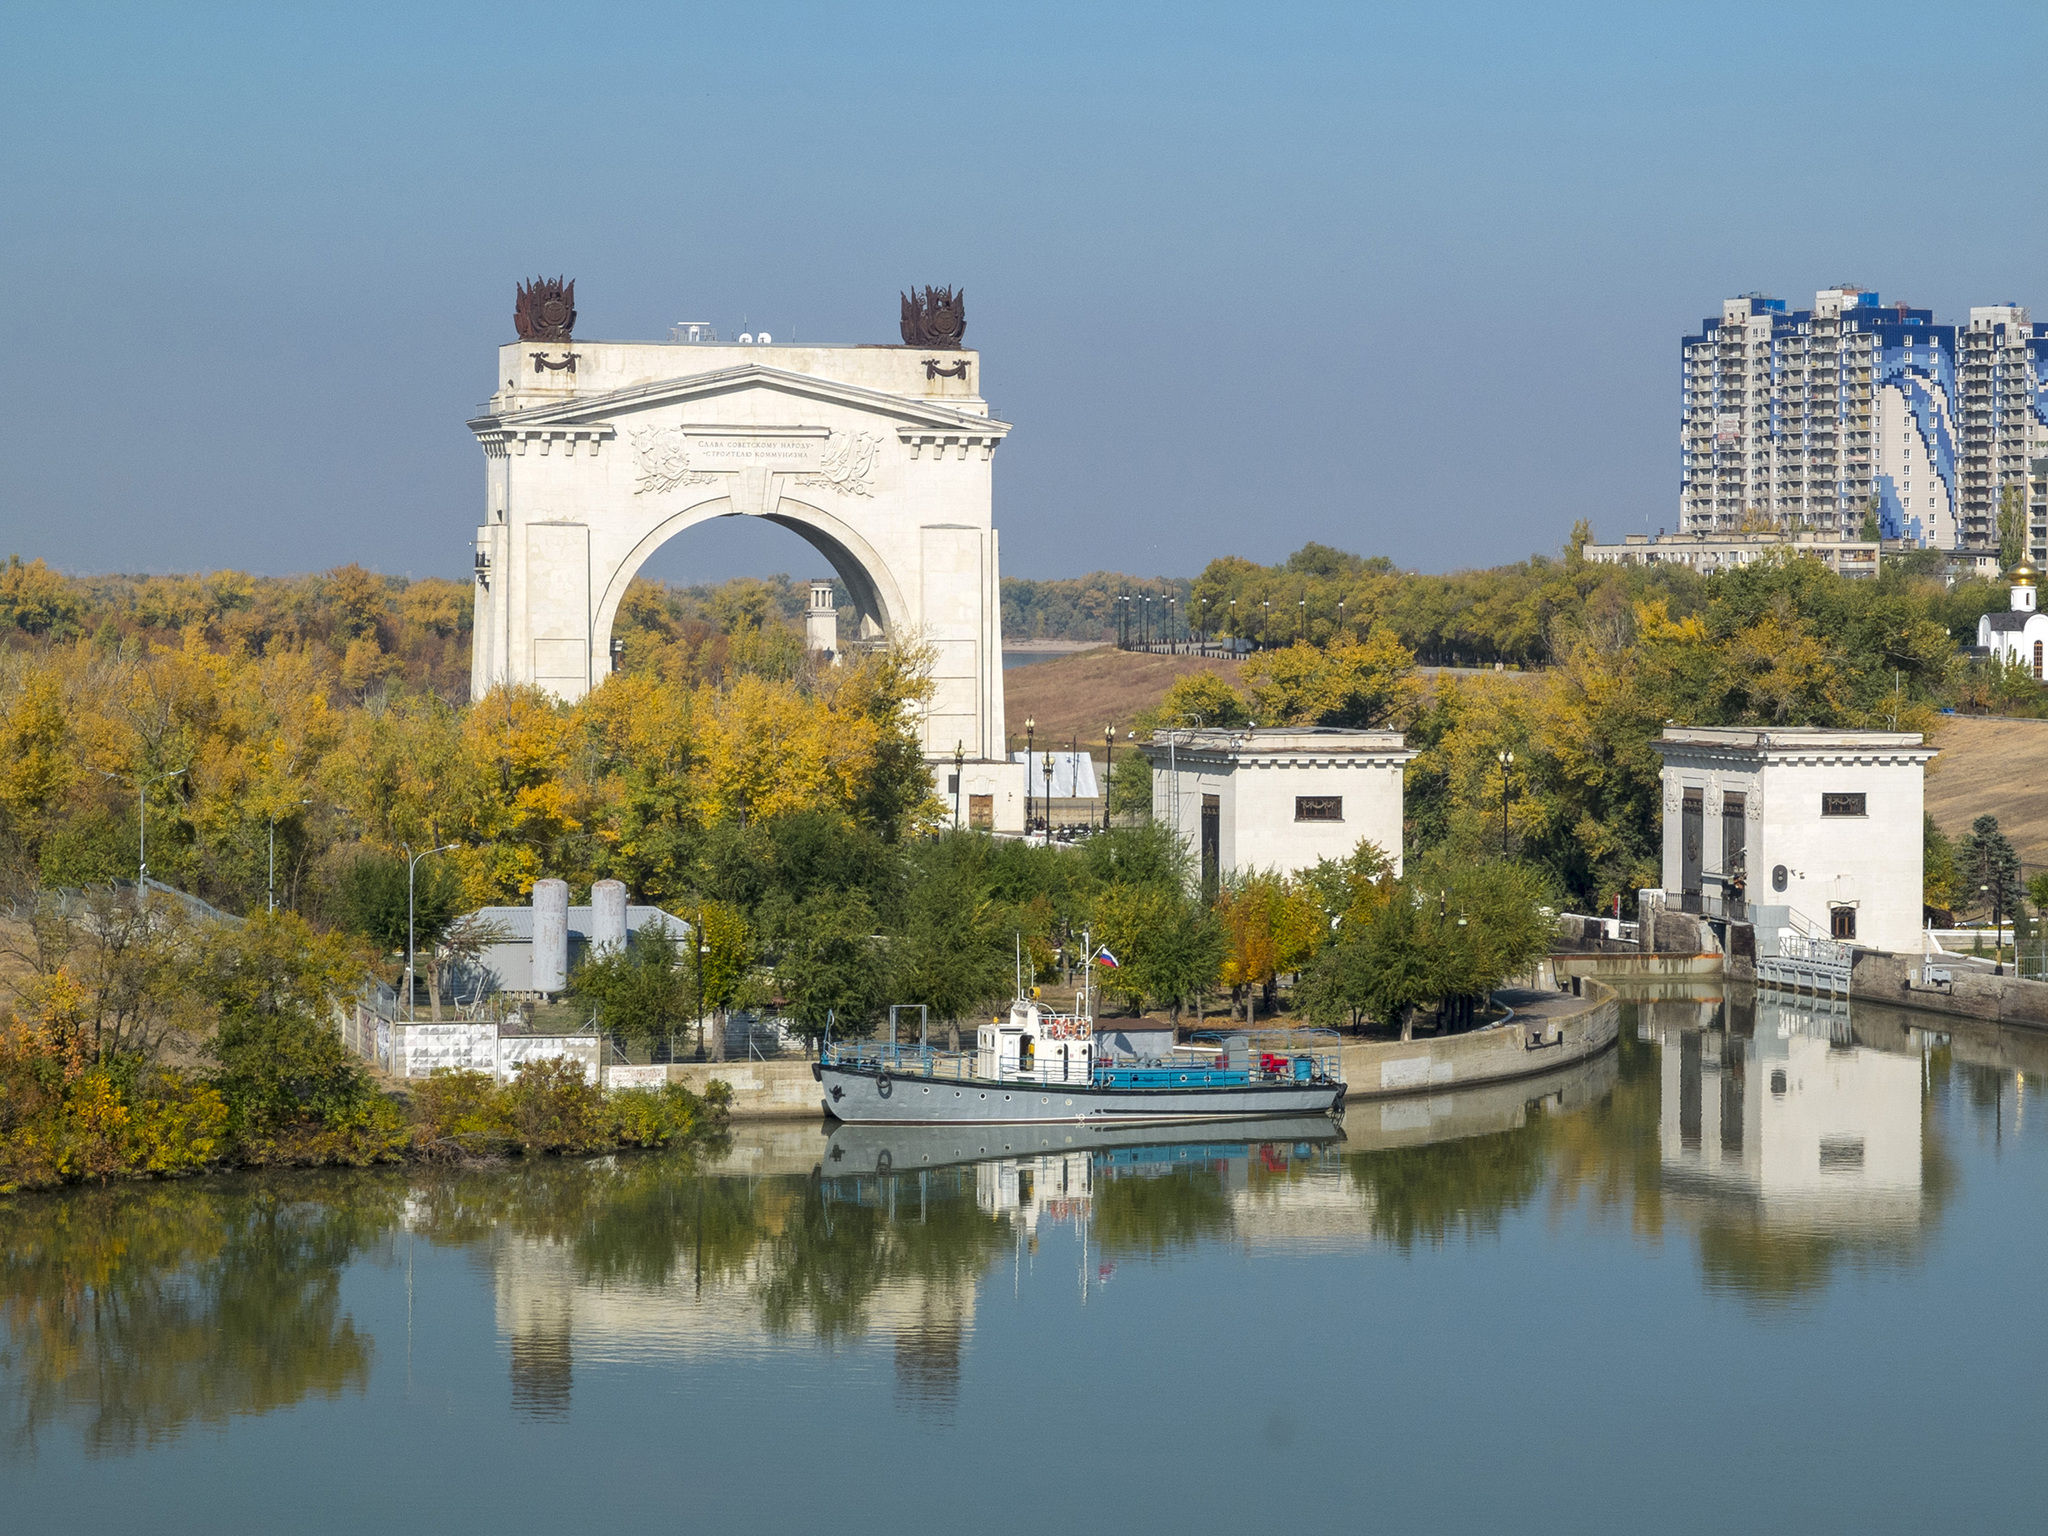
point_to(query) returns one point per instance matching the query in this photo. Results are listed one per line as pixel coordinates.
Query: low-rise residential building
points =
(1278, 798)
(1814, 831)
(1707, 552)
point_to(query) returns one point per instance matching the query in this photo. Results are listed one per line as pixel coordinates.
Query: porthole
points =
(1044, 1100)
(927, 1090)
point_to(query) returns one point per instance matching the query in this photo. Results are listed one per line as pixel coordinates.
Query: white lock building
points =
(1278, 798)
(1816, 831)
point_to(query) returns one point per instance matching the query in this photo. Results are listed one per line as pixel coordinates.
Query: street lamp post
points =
(1507, 761)
(1030, 727)
(273, 857)
(1304, 619)
(1265, 620)
(959, 771)
(1045, 766)
(409, 868)
(1108, 757)
(142, 789)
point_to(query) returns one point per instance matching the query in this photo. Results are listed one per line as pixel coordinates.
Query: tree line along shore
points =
(782, 807)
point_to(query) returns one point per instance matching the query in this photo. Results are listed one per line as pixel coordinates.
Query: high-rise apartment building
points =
(2003, 416)
(1816, 420)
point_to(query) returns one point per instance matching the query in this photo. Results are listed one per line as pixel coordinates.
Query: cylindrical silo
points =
(607, 917)
(550, 935)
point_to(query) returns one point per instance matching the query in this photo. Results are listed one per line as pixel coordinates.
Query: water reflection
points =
(133, 1313)
(1783, 1135)
(1790, 1140)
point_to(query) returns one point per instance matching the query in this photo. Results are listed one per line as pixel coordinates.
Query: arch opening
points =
(876, 596)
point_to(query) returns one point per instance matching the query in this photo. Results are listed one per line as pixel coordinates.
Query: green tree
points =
(280, 1060)
(952, 954)
(2012, 525)
(645, 991)
(375, 904)
(831, 965)
(1989, 866)
(1940, 883)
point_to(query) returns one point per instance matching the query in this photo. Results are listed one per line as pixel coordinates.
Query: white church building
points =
(2018, 637)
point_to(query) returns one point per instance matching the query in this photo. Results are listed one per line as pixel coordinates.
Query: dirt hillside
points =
(1079, 694)
(1994, 766)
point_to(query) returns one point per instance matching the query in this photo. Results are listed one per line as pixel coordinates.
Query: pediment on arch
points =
(908, 414)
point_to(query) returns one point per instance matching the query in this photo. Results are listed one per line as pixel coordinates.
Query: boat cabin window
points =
(1024, 1051)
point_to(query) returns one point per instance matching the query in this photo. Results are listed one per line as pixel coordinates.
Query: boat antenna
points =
(1018, 935)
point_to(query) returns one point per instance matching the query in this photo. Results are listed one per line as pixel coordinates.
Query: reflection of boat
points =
(856, 1150)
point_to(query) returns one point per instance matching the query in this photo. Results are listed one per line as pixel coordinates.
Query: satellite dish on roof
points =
(746, 338)
(764, 339)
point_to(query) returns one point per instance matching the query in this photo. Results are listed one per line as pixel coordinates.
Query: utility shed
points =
(1278, 798)
(507, 966)
(1819, 831)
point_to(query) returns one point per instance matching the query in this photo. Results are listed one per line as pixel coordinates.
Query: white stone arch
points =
(876, 593)
(881, 458)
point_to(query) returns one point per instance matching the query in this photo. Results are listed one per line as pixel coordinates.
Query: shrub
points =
(459, 1114)
(554, 1108)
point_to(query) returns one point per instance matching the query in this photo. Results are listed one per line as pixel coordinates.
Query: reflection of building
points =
(1780, 1110)
(550, 1310)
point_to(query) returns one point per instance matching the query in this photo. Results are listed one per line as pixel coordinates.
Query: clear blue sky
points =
(1409, 280)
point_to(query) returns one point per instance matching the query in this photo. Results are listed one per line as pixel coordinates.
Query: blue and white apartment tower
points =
(1815, 419)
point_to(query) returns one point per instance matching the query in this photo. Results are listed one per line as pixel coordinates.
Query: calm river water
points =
(1767, 1267)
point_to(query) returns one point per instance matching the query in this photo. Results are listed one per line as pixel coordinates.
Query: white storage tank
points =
(607, 917)
(550, 935)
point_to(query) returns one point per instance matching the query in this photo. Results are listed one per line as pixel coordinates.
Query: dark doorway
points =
(1212, 845)
(1691, 836)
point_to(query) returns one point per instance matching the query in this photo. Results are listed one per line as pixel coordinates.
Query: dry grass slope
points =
(1077, 695)
(1994, 766)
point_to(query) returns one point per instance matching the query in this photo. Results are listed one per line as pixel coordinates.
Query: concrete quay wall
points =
(1555, 1033)
(1970, 993)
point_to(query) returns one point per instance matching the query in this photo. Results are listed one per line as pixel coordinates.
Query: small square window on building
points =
(1318, 807)
(1844, 805)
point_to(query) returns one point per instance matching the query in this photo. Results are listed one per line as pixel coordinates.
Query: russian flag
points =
(1104, 957)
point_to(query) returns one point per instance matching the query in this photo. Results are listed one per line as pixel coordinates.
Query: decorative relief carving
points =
(546, 309)
(932, 370)
(848, 466)
(662, 455)
(540, 361)
(935, 318)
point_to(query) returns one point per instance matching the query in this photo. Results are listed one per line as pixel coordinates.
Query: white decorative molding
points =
(920, 438)
(848, 467)
(662, 459)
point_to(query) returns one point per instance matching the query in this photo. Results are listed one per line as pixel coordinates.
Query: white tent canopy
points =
(1073, 774)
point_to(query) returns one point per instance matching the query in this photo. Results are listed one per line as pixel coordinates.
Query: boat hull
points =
(866, 1097)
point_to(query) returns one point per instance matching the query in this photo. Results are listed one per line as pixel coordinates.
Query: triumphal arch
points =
(881, 457)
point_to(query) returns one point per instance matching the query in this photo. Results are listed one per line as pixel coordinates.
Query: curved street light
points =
(409, 868)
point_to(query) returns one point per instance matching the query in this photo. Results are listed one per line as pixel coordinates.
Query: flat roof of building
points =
(1253, 741)
(1759, 738)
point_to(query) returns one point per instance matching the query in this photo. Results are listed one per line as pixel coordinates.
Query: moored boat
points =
(1038, 1066)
